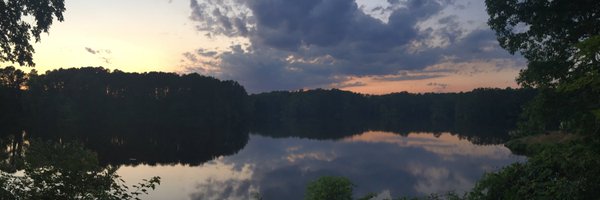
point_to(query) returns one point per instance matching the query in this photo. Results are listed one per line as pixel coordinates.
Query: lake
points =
(210, 139)
(388, 163)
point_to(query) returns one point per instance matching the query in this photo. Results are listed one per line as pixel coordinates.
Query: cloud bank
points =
(294, 44)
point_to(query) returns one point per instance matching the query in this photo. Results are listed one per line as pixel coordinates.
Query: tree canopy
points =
(561, 41)
(20, 21)
(329, 187)
(546, 33)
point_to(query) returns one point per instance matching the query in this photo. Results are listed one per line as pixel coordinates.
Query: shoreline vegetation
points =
(560, 165)
(534, 144)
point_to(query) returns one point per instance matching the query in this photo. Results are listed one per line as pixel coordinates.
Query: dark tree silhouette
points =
(546, 33)
(483, 115)
(16, 32)
(65, 170)
(561, 41)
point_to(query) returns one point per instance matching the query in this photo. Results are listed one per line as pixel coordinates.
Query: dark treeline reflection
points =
(483, 116)
(128, 117)
(166, 118)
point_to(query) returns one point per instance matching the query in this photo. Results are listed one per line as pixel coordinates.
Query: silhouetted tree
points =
(333, 114)
(16, 30)
(561, 41)
(67, 171)
(11, 110)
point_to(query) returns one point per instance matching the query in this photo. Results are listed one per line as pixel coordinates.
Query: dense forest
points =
(68, 101)
(330, 113)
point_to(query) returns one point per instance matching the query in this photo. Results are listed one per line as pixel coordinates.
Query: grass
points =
(532, 144)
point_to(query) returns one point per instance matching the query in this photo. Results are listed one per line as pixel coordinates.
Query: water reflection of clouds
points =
(436, 179)
(231, 189)
(230, 181)
(213, 180)
(445, 145)
(375, 162)
(322, 156)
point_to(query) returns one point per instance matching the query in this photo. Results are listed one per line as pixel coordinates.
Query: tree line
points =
(74, 101)
(67, 100)
(477, 112)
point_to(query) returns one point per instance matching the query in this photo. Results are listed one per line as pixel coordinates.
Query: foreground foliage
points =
(22, 20)
(563, 171)
(329, 187)
(561, 41)
(67, 171)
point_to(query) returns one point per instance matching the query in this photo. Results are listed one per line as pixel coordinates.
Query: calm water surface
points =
(381, 162)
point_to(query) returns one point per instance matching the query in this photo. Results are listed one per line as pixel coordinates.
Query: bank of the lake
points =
(560, 166)
(534, 144)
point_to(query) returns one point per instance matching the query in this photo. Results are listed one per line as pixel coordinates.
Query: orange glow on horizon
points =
(445, 84)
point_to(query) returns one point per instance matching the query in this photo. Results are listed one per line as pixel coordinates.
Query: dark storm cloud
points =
(289, 24)
(317, 43)
(450, 29)
(220, 17)
(207, 53)
(266, 69)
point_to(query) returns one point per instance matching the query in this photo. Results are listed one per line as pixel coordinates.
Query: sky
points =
(365, 46)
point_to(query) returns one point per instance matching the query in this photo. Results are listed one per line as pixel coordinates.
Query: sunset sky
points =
(367, 46)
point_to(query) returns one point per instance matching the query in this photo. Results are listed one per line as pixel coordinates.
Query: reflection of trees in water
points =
(191, 147)
(325, 129)
(12, 152)
(157, 146)
(196, 146)
(66, 170)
